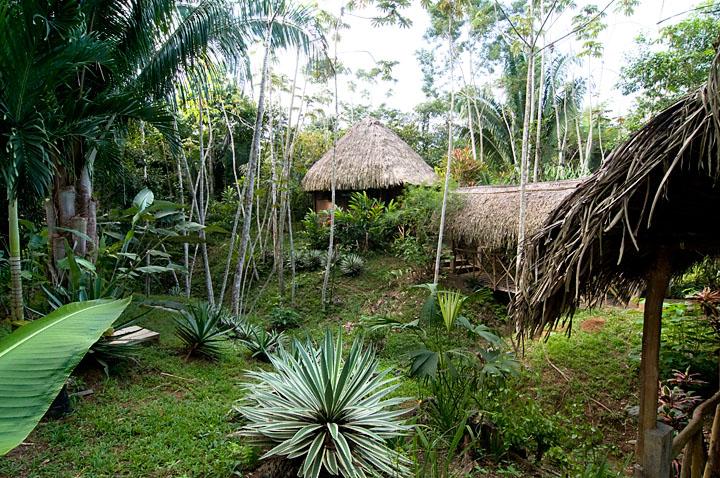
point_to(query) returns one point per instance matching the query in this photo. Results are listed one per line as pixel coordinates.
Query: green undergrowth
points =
(170, 416)
(584, 383)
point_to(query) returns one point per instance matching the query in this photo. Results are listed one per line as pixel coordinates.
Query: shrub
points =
(201, 328)
(284, 318)
(316, 230)
(418, 223)
(308, 259)
(367, 224)
(327, 411)
(351, 265)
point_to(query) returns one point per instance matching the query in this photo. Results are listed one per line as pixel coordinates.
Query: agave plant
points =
(351, 265)
(201, 329)
(241, 327)
(262, 343)
(329, 412)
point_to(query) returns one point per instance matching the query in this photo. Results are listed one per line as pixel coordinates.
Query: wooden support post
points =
(658, 278)
(453, 269)
(712, 464)
(687, 460)
(698, 459)
(658, 448)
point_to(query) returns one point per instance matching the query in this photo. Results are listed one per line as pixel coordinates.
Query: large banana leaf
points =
(37, 359)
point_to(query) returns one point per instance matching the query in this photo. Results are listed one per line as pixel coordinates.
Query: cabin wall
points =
(322, 200)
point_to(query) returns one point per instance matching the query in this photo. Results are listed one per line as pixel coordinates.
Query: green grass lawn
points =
(168, 416)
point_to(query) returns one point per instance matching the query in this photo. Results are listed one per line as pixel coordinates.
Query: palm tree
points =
(34, 66)
(72, 74)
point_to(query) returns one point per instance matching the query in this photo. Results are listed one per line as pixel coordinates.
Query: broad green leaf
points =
(143, 199)
(37, 359)
(75, 232)
(153, 269)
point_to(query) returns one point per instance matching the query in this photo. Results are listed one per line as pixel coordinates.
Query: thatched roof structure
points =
(488, 215)
(656, 195)
(369, 156)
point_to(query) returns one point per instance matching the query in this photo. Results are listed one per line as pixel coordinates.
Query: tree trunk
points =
(284, 197)
(538, 127)
(525, 152)
(236, 221)
(443, 211)
(201, 206)
(589, 142)
(16, 292)
(332, 180)
(658, 278)
(250, 179)
(557, 113)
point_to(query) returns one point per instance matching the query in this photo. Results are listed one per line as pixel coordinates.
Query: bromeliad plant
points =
(329, 412)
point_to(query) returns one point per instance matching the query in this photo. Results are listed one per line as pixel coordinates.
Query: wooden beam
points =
(658, 278)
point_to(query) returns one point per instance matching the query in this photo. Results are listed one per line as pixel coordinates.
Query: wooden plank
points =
(133, 334)
(126, 330)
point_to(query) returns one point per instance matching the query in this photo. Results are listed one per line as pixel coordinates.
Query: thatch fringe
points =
(489, 215)
(657, 190)
(369, 156)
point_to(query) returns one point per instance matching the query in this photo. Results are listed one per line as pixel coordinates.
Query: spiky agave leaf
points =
(260, 342)
(329, 411)
(201, 329)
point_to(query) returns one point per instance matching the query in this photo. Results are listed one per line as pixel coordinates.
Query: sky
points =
(363, 44)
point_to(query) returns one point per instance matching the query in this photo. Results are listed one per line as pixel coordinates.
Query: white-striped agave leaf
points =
(330, 412)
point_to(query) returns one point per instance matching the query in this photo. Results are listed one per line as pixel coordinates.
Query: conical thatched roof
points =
(369, 156)
(489, 215)
(656, 194)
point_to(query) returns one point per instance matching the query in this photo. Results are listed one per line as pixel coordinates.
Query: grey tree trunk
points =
(284, 197)
(16, 292)
(538, 129)
(467, 96)
(525, 152)
(331, 246)
(250, 178)
(233, 234)
(438, 253)
(201, 206)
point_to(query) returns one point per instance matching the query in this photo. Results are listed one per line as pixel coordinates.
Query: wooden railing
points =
(487, 266)
(697, 461)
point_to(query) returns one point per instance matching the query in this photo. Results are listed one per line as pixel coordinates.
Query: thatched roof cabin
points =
(648, 212)
(369, 157)
(488, 215)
